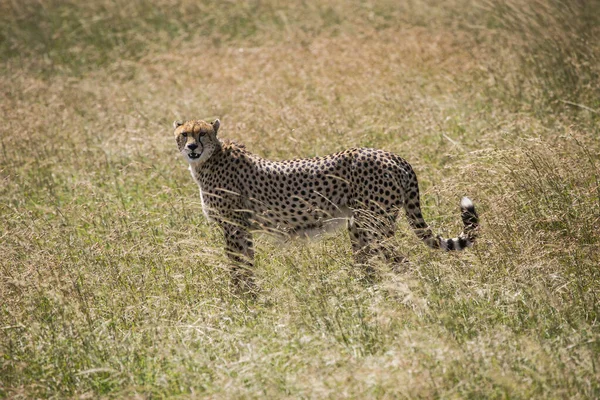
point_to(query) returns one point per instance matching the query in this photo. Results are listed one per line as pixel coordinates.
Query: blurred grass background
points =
(113, 284)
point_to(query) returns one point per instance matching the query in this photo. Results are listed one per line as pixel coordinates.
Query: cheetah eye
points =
(184, 134)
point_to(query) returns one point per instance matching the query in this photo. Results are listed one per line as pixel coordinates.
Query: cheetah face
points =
(197, 140)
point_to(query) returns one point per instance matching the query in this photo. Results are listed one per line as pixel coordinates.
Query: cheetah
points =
(365, 188)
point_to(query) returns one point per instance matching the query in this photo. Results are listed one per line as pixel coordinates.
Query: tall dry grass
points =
(113, 284)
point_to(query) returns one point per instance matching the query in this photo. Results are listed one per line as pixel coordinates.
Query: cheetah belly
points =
(337, 221)
(298, 221)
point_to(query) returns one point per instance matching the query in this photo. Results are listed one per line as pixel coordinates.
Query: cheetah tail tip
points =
(468, 213)
(466, 203)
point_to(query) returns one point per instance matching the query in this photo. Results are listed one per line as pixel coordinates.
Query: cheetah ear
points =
(216, 124)
(177, 124)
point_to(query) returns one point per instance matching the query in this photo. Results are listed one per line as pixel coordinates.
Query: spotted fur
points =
(243, 192)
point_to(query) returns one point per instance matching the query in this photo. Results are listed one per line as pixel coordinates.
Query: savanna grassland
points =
(112, 284)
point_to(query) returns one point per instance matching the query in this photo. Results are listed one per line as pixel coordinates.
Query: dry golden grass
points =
(113, 284)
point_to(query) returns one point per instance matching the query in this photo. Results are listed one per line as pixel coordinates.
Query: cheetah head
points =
(197, 140)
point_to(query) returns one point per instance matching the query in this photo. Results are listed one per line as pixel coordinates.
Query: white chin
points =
(193, 159)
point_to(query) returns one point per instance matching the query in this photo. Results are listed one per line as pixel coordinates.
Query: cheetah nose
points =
(192, 146)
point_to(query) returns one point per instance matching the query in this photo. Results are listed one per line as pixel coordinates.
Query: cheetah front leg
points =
(240, 250)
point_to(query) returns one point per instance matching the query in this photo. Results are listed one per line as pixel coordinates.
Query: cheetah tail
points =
(464, 240)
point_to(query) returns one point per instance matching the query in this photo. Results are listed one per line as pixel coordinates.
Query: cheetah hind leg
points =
(370, 235)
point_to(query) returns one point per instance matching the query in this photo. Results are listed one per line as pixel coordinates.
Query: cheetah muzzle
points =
(368, 188)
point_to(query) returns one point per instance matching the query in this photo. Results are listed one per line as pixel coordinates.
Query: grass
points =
(114, 285)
